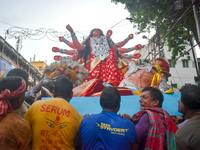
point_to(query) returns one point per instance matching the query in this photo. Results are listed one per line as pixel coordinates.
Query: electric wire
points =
(117, 23)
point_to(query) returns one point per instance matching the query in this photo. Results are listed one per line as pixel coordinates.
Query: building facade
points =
(39, 65)
(10, 58)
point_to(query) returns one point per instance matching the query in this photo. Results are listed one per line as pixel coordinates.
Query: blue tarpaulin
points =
(129, 104)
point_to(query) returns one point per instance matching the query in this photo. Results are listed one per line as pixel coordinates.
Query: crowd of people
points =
(30, 122)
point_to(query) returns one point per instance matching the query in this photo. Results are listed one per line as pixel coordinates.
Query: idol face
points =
(96, 33)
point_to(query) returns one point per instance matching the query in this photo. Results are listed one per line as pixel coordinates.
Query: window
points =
(171, 65)
(185, 63)
(196, 79)
(193, 64)
(40, 68)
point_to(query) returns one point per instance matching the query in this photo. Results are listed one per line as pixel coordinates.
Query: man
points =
(21, 73)
(187, 136)
(107, 130)
(180, 109)
(54, 122)
(155, 128)
(15, 132)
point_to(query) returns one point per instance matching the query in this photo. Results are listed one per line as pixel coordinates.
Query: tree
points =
(177, 32)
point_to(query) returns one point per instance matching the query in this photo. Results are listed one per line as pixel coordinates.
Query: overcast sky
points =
(82, 15)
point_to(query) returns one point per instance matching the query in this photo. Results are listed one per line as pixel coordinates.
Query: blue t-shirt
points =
(107, 131)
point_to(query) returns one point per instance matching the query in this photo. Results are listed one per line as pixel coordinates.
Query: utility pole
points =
(198, 33)
(17, 48)
(195, 61)
(158, 37)
(196, 19)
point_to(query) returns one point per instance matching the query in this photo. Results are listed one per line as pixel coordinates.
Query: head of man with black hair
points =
(16, 91)
(63, 88)
(110, 99)
(189, 102)
(151, 97)
(19, 72)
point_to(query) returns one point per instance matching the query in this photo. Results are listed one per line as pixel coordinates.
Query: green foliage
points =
(146, 12)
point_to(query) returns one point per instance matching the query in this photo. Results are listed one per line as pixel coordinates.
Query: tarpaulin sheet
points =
(129, 104)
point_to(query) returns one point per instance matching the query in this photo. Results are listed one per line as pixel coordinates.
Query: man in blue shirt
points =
(107, 130)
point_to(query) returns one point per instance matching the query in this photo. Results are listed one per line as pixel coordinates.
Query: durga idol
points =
(100, 54)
